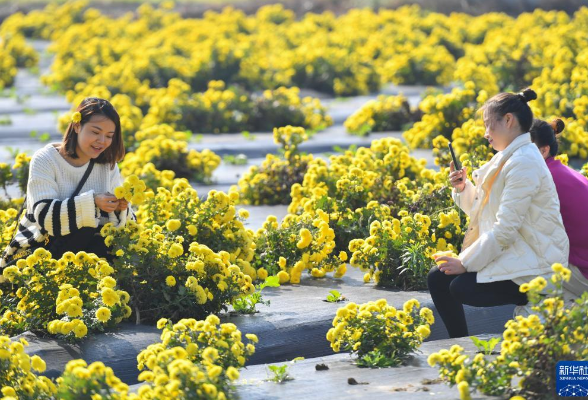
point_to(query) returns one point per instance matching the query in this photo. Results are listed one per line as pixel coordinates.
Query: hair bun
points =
(558, 126)
(527, 95)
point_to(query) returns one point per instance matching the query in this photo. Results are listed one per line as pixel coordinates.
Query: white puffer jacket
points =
(521, 229)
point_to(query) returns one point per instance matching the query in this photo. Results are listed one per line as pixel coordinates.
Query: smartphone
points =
(456, 162)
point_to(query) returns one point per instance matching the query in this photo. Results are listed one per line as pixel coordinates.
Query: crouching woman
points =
(516, 231)
(69, 191)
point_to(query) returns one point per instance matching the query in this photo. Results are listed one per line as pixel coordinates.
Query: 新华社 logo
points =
(572, 378)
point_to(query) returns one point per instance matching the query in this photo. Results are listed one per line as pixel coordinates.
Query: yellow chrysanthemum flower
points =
(103, 314)
(76, 117)
(170, 281)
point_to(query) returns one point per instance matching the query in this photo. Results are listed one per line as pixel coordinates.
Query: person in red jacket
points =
(572, 190)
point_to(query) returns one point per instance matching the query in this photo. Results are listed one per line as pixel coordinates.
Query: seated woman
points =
(572, 190)
(516, 231)
(69, 188)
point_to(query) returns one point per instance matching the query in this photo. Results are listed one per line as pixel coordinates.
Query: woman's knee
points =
(437, 280)
(462, 288)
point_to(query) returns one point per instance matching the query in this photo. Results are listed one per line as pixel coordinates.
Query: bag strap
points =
(84, 178)
(75, 193)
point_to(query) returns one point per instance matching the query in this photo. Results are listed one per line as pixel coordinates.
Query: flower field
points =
(379, 209)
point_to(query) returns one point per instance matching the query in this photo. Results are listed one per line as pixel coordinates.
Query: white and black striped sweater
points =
(50, 208)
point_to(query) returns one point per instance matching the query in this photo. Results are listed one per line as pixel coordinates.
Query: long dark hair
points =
(516, 104)
(547, 134)
(89, 107)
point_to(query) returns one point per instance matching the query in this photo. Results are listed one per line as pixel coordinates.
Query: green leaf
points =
(492, 344)
(477, 342)
(322, 203)
(274, 368)
(247, 135)
(334, 296)
(45, 137)
(485, 346)
(272, 281)
(365, 130)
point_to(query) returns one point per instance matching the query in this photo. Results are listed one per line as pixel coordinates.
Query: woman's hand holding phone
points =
(457, 178)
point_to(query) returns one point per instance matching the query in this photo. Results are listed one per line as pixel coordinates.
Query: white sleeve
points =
(465, 198)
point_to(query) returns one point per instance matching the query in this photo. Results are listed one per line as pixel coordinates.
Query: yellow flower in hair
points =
(76, 117)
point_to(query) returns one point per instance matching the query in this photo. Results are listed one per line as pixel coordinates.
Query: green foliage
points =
(246, 303)
(376, 359)
(271, 182)
(415, 265)
(280, 373)
(239, 159)
(335, 296)
(386, 113)
(248, 136)
(485, 346)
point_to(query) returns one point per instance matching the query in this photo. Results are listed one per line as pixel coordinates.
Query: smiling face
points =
(94, 137)
(500, 131)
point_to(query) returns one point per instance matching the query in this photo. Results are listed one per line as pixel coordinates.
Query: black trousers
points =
(451, 292)
(84, 239)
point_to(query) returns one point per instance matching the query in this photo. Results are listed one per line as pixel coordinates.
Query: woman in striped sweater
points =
(59, 215)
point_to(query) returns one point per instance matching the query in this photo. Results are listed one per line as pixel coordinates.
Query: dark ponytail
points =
(547, 134)
(516, 104)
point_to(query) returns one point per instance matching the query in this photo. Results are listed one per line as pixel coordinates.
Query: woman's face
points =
(94, 137)
(500, 131)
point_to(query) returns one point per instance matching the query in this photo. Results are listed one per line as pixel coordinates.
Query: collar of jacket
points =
(490, 168)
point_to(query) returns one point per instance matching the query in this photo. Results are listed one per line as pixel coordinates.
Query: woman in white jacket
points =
(516, 231)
